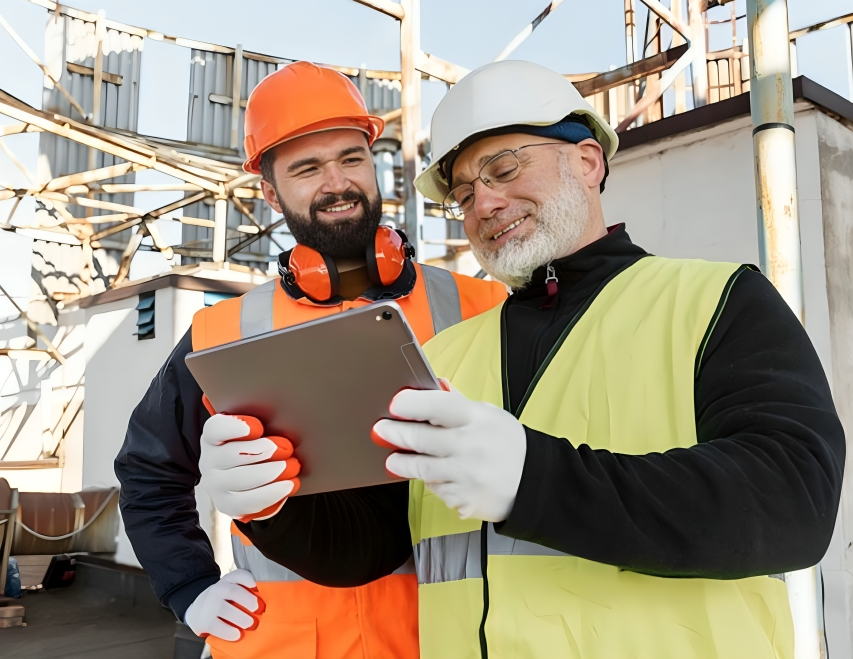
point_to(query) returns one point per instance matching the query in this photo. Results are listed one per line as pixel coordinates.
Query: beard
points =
(343, 238)
(560, 224)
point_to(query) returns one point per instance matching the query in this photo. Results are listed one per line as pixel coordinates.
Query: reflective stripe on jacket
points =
(621, 380)
(304, 620)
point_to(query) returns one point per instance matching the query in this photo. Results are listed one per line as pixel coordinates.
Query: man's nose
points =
(334, 180)
(487, 201)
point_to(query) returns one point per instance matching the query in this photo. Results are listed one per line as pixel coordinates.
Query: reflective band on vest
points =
(249, 557)
(257, 309)
(622, 380)
(457, 556)
(443, 296)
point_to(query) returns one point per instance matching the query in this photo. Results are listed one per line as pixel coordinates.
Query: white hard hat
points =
(504, 94)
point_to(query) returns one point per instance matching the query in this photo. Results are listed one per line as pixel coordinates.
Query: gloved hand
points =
(223, 609)
(247, 475)
(471, 454)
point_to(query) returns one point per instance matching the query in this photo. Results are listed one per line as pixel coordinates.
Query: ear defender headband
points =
(316, 274)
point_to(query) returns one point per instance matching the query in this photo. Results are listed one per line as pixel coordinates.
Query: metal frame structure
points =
(628, 95)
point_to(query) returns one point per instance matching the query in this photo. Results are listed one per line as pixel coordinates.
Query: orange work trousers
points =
(305, 621)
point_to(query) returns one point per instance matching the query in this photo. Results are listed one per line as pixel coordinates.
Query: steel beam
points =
(410, 99)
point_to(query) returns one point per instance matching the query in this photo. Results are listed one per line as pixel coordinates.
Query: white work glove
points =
(248, 476)
(470, 454)
(223, 609)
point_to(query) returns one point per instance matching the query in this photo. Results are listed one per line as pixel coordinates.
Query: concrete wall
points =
(835, 145)
(693, 195)
(119, 369)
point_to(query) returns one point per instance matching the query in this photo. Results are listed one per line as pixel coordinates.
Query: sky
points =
(578, 37)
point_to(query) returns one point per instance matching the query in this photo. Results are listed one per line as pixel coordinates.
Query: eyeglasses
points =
(502, 168)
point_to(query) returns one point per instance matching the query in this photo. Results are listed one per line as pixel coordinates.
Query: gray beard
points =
(560, 224)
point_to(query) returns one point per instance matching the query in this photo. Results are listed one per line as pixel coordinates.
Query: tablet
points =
(323, 385)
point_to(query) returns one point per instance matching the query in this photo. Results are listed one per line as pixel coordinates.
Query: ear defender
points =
(314, 273)
(386, 259)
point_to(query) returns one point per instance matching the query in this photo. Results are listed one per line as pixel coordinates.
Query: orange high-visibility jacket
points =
(304, 620)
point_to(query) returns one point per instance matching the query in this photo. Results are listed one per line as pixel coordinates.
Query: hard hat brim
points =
(432, 184)
(370, 125)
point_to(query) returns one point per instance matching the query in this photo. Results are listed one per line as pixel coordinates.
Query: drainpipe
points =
(771, 99)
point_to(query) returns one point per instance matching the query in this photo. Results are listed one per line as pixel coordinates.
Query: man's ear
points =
(270, 196)
(592, 163)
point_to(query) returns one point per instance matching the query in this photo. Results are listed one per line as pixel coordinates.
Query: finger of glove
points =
(449, 409)
(230, 427)
(232, 594)
(251, 502)
(220, 629)
(243, 479)
(234, 616)
(291, 469)
(238, 454)
(422, 467)
(412, 436)
(207, 404)
(242, 577)
(284, 448)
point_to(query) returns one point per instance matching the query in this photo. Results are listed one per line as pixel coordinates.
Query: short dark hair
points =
(266, 166)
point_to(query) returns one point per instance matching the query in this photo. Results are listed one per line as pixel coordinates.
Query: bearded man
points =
(308, 134)
(631, 450)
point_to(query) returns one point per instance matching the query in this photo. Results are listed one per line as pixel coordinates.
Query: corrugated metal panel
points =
(119, 102)
(209, 122)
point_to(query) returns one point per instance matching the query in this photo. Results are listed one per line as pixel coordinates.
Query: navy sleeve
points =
(158, 470)
(757, 495)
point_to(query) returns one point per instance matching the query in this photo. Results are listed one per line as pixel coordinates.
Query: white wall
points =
(835, 144)
(119, 369)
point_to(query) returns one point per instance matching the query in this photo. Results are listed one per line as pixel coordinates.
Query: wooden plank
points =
(438, 68)
(641, 69)
(13, 611)
(824, 25)
(91, 176)
(386, 7)
(655, 89)
(666, 15)
(16, 129)
(112, 78)
(195, 221)
(527, 31)
(45, 463)
(236, 92)
(23, 46)
(26, 355)
(224, 100)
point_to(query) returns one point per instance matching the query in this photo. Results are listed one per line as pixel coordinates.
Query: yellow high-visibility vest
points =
(622, 380)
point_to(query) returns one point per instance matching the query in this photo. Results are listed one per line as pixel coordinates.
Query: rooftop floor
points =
(104, 614)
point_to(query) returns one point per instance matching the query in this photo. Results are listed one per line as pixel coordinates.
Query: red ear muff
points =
(314, 273)
(386, 260)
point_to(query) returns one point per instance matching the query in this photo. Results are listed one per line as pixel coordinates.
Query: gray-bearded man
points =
(630, 444)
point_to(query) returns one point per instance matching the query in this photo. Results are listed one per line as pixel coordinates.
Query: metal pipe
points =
(220, 217)
(771, 99)
(410, 97)
(772, 102)
(699, 43)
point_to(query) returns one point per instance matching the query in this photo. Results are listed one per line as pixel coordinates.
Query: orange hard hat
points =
(299, 99)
